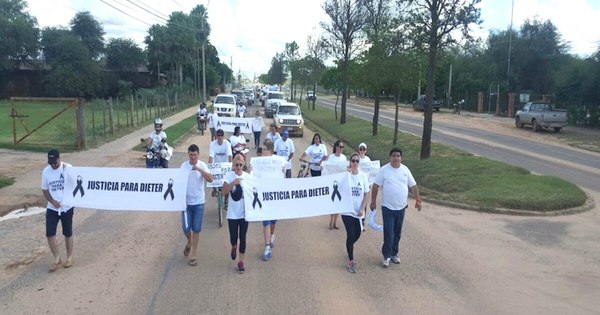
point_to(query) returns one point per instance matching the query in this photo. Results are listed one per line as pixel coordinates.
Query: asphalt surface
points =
(577, 166)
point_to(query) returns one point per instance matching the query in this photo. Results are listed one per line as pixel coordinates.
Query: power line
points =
(152, 9)
(133, 17)
(137, 5)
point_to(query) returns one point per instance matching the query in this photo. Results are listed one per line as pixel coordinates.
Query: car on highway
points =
(289, 116)
(225, 105)
(272, 100)
(419, 103)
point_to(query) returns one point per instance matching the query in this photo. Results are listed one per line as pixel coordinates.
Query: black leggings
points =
(236, 225)
(352, 233)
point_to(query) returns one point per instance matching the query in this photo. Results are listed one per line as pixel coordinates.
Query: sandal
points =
(193, 262)
(69, 263)
(55, 265)
(186, 251)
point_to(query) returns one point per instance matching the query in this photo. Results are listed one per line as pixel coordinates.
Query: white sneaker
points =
(395, 259)
(267, 255)
(272, 240)
(386, 262)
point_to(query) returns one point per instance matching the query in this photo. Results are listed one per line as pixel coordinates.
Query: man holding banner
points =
(219, 151)
(53, 181)
(395, 180)
(191, 219)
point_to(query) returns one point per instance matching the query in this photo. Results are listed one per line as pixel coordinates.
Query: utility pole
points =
(449, 101)
(510, 43)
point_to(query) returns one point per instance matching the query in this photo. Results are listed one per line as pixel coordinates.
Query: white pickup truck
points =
(541, 115)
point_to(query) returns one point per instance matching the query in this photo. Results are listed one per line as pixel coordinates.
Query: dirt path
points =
(454, 261)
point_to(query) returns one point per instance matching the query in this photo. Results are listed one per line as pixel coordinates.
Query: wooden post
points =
(480, 102)
(511, 104)
(93, 123)
(110, 116)
(132, 122)
(80, 124)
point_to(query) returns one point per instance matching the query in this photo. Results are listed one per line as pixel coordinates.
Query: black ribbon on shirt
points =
(256, 199)
(79, 187)
(169, 190)
(335, 192)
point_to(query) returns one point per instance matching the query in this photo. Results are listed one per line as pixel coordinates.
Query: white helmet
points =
(158, 123)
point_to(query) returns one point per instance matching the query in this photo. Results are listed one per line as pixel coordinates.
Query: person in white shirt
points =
(337, 155)
(284, 147)
(257, 125)
(157, 140)
(316, 151)
(273, 135)
(201, 112)
(362, 152)
(241, 110)
(359, 184)
(53, 182)
(395, 180)
(237, 139)
(210, 118)
(238, 226)
(191, 218)
(219, 150)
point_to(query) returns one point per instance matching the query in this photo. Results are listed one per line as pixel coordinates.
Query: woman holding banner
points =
(317, 151)
(238, 226)
(359, 184)
(337, 156)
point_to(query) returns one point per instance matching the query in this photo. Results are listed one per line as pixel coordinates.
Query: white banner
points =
(334, 167)
(218, 171)
(291, 198)
(111, 188)
(370, 168)
(268, 166)
(228, 124)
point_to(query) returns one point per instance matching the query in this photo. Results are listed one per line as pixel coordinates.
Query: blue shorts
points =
(269, 222)
(194, 215)
(65, 218)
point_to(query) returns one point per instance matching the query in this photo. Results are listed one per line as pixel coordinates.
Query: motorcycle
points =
(201, 118)
(457, 106)
(157, 157)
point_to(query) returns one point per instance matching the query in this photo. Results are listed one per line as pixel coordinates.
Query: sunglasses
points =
(362, 149)
(239, 164)
(355, 161)
(341, 147)
(218, 135)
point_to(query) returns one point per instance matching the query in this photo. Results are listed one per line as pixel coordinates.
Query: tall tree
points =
(124, 54)
(315, 56)
(291, 56)
(18, 31)
(277, 74)
(432, 23)
(90, 32)
(378, 22)
(345, 35)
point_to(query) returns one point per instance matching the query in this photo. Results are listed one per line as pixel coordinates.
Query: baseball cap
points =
(53, 155)
(285, 133)
(362, 144)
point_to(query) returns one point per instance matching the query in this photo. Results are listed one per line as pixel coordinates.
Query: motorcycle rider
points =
(201, 116)
(157, 140)
(241, 108)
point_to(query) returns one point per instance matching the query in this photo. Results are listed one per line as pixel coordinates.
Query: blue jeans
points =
(392, 227)
(257, 139)
(194, 215)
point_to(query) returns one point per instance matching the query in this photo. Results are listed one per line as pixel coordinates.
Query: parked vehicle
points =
(289, 116)
(225, 105)
(249, 97)
(272, 101)
(541, 115)
(419, 103)
(241, 97)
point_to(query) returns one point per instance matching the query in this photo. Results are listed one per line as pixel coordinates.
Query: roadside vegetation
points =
(451, 174)
(6, 181)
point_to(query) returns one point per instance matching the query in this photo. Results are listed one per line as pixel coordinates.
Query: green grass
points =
(6, 181)
(451, 174)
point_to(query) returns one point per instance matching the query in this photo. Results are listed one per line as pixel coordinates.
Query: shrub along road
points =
(453, 262)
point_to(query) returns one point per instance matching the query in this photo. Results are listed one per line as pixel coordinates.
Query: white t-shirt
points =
(283, 149)
(156, 138)
(53, 180)
(210, 120)
(202, 111)
(257, 124)
(195, 183)
(235, 209)
(273, 137)
(364, 159)
(335, 158)
(235, 140)
(394, 183)
(220, 152)
(241, 109)
(316, 154)
(359, 184)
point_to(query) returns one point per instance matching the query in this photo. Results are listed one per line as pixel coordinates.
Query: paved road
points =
(577, 166)
(453, 262)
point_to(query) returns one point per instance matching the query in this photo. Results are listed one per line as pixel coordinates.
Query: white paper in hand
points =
(372, 223)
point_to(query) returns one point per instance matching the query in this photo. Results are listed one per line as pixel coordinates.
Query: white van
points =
(225, 105)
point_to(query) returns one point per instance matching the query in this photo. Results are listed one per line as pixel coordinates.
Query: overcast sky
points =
(250, 32)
